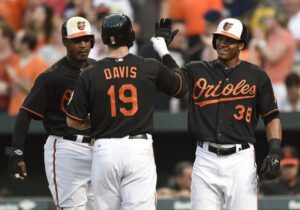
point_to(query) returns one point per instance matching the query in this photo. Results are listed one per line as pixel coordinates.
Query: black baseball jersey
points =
(225, 104)
(119, 95)
(48, 98)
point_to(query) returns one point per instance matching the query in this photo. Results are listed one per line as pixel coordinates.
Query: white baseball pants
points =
(229, 181)
(124, 174)
(68, 169)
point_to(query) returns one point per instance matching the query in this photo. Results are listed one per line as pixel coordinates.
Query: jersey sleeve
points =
(186, 71)
(267, 104)
(78, 108)
(171, 80)
(36, 101)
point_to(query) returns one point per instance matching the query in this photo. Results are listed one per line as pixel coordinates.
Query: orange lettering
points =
(116, 72)
(211, 93)
(65, 99)
(227, 90)
(122, 71)
(107, 74)
(133, 72)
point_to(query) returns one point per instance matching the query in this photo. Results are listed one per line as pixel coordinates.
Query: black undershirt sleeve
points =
(21, 129)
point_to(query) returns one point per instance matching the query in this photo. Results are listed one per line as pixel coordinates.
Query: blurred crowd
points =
(30, 39)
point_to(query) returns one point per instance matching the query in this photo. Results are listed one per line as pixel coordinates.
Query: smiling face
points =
(78, 49)
(228, 49)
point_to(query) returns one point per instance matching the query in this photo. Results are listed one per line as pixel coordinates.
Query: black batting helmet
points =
(117, 30)
(232, 28)
(76, 27)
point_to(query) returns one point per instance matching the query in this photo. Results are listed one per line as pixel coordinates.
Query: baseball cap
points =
(230, 27)
(78, 26)
(289, 156)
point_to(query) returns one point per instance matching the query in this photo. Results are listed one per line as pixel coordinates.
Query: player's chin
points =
(82, 56)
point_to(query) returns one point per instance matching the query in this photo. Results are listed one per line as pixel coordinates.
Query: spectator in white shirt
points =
(292, 102)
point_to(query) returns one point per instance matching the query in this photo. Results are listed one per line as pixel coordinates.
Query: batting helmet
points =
(232, 28)
(117, 30)
(75, 27)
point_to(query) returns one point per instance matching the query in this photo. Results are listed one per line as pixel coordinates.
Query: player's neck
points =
(231, 63)
(117, 52)
(77, 63)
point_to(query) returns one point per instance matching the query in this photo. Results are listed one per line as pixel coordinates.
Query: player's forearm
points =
(177, 80)
(79, 125)
(21, 129)
(274, 129)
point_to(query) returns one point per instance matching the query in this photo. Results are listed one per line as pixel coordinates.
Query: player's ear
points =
(241, 46)
(64, 41)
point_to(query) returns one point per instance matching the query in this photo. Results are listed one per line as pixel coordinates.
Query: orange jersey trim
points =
(180, 84)
(31, 111)
(75, 118)
(214, 101)
(269, 112)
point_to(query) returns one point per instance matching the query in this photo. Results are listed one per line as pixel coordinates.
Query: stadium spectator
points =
(99, 50)
(41, 20)
(179, 185)
(24, 72)
(52, 51)
(288, 182)
(80, 8)
(212, 19)
(292, 101)
(7, 57)
(12, 12)
(276, 48)
(293, 8)
(193, 12)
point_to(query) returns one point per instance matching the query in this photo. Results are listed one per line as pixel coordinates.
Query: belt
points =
(224, 151)
(78, 138)
(138, 136)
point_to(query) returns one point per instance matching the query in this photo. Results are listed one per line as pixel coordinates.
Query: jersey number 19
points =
(131, 98)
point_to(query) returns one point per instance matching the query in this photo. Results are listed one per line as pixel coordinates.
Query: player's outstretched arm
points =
(16, 163)
(271, 164)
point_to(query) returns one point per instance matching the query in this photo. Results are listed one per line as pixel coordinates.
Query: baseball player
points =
(226, 98)
(67, 152)
(118, 92)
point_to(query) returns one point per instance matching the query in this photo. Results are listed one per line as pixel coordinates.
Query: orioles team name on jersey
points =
(65, 99)
(209, 94)
(120, 72)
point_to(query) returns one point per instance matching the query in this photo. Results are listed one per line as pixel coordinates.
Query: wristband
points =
(274, 145)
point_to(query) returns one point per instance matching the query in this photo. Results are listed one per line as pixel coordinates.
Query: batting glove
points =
(160, 46)
(163, 29)
(16, 164)
(271, 165)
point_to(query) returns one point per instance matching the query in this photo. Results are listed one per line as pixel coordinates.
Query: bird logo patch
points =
(81, 25)
(227, 26)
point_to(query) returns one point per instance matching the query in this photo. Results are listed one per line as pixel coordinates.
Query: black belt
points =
(85, 139)
(224, 151)
(138, 136)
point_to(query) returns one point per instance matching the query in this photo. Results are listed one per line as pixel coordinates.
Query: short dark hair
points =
(7, 31)
(30, 38)
(179, 167)
(292, 79)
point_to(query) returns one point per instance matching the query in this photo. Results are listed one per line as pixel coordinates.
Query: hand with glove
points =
(16, 164)
(163, 29)
(271, 164)
(160, 46)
